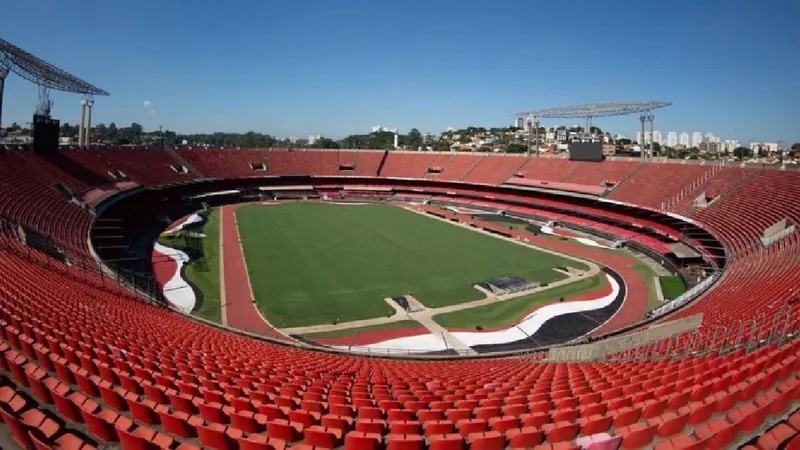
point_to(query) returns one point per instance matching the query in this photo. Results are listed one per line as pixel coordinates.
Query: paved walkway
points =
(424, 315)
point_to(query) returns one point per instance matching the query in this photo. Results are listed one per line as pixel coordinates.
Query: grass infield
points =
(314, 263)
(672, 287)
(509, 312)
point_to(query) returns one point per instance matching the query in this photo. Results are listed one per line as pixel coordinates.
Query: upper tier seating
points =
(90, 160)
(283, 162)
(365, 162)
(597, 173)
(408, 165)
(719, 184)
(495, 169)
(459, 167)
(150, 167)
(26, 195)
(657, 183)
(48, 168)
(221, 163)
(547, 169)
(762, 201)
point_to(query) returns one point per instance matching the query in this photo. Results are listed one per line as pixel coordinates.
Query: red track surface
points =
(373, 337)
(240, 311)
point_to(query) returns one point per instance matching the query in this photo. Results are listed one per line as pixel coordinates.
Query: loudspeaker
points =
(45, 134)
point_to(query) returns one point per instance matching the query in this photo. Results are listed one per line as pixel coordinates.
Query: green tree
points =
(441, 146)
(516, 147)
(741, 153)
(326, 143)
(413, 139)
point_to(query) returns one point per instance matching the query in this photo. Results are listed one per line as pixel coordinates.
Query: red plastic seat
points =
(524, 437)
(404, 442)
(446, 441)
(488, 440)
(322, 437)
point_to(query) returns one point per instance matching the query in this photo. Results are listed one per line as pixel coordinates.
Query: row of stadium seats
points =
(88, 366)
(153, 167)
(113, 365)
(27, 195)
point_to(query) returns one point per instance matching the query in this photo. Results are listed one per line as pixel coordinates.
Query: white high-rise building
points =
(684, 139)
(709, 137)
(729, 145)
(648, 138)
(672, 139)
(657, 137)
(519, 122)
(697, 138)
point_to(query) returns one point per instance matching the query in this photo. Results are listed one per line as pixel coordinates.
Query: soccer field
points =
(314, 263)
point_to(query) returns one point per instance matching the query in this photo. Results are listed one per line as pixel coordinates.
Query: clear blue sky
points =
(731, 67)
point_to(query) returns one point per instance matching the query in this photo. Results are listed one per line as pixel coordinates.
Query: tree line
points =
(505, 138)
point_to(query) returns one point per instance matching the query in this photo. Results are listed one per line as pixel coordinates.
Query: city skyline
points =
(208, 69)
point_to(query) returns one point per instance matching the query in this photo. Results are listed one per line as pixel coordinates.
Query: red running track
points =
(240, 311)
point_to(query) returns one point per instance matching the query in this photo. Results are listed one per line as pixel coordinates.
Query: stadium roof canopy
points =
(41, 72)
(595, 110)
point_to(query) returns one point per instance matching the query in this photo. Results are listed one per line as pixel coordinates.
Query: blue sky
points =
(340, 67)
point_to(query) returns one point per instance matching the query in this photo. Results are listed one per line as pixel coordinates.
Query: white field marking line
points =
(223, 306)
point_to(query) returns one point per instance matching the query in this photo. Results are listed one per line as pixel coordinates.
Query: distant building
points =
(697, 138)
(672, 139)
(684, 139)
(729, 145)
(519, 122)
(382, 129)
(657, 137)
(764, 148)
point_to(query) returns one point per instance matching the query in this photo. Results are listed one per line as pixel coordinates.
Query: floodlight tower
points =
(83, 102)
(533, 134)
(3, 74)
(47, 76)
(647, 116)
(87, 134)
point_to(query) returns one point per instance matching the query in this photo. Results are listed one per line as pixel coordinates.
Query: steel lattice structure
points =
(595, 110)
(41, 72)
(590, 112)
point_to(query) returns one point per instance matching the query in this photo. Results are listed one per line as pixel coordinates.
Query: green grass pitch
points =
(314, 263)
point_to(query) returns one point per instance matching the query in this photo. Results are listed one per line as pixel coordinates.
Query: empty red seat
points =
(447, 441)
(404, 442)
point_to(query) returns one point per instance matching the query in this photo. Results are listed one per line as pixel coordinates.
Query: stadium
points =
(89, 334)
(187, 298)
